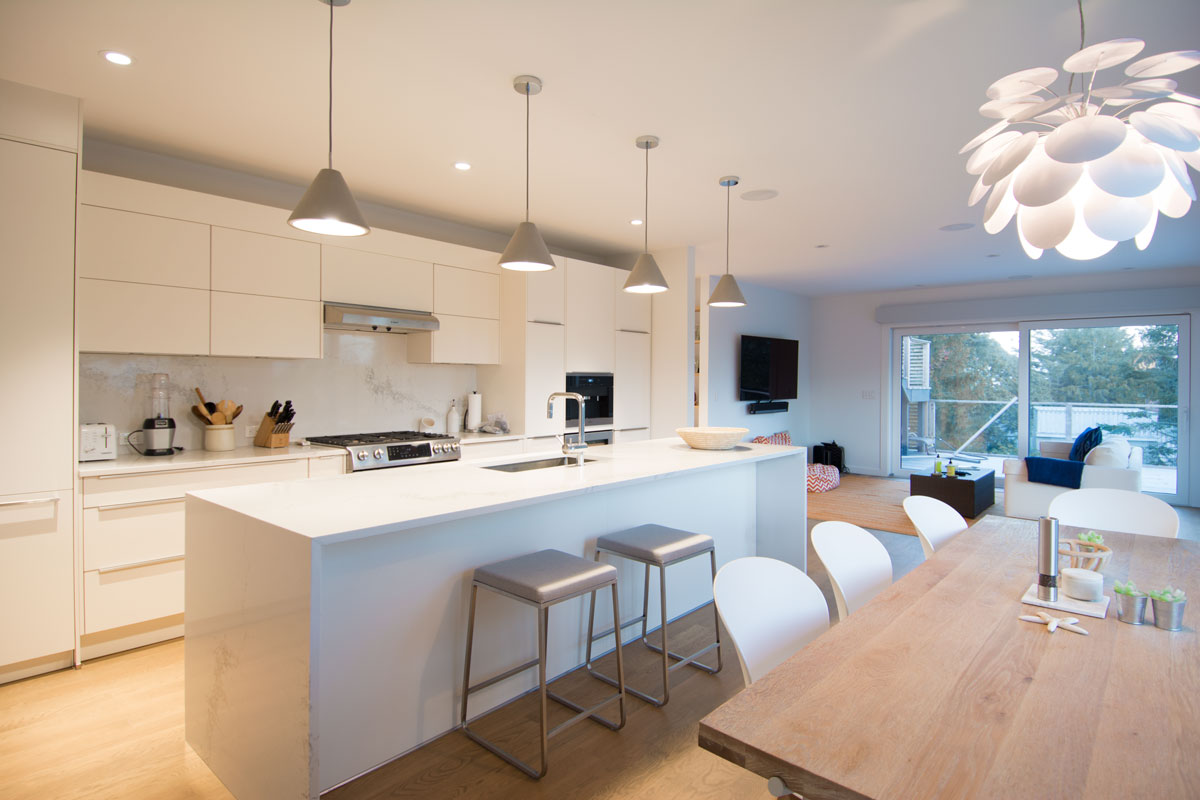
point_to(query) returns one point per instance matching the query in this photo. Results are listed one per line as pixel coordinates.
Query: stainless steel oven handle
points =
(29, 502)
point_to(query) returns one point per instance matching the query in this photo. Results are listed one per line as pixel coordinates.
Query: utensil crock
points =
(219, 438)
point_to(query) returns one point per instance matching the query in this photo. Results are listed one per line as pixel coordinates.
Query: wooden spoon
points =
(218, 418)
(237, 412)
(202, 413)
(209, 407)
(226, 408)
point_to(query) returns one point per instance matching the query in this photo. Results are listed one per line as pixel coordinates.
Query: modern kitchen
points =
(297, 453)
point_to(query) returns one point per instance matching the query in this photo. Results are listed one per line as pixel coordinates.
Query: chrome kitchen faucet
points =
(577, 449)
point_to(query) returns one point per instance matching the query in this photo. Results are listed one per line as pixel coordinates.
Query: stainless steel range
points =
(393, 449)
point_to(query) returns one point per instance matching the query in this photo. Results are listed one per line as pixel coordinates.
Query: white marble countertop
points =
(381, 501)
(132, 463)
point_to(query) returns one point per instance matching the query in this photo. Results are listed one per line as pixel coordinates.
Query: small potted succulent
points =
(1169, 604)
(1131, 603)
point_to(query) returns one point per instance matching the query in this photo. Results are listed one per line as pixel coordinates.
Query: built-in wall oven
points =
(597, 391)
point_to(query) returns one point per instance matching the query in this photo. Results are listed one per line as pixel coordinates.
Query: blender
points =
(158, 430)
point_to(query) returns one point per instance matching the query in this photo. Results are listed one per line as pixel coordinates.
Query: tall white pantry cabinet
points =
(39, 151)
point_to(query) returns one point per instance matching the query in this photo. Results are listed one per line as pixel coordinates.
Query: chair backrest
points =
(1117, 510)
(936, 522)
(858, 564)
(771, 610)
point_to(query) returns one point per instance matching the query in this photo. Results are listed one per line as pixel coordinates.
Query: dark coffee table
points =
(969, 495)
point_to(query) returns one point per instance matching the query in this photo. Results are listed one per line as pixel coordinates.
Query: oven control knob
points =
(454, 447)
(379, 454)
(437, 448)
(362, 455)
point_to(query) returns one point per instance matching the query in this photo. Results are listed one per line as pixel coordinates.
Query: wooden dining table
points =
(935, 689)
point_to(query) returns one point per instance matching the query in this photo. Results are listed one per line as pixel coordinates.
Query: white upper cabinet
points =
(266, 327)
(465, 292)
(632, 309)
(39, 117)
(590, 310)
(373, 279)
(545, 294)
(119, 317)
(459, 340)
(141, 248)
(544, 375)
(631, 381)
(253, 263)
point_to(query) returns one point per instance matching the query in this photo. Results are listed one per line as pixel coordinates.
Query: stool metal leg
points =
(682, 659)
(462, 719)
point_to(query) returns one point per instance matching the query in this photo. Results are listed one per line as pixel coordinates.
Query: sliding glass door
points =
(957, 393)
(1123, 375)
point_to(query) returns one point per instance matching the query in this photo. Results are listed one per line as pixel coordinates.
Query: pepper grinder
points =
(1048, 559)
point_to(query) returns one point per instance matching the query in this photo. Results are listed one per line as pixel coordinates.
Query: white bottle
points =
(453, 419)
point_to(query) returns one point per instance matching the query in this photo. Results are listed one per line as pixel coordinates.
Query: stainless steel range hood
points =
(346, 317)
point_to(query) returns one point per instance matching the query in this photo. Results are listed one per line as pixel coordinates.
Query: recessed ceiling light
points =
(635, 222)
(1020, 277)
(993, 255)
(760, 194)
(957, 226)
(461, 166)
(118, 58)
(820, 246)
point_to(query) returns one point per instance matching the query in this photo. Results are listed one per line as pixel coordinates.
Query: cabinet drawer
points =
(112, 598)
(125, 246)
(478, 450)
(121, 535)
(108, 490)
(116, 317)
(329, 465)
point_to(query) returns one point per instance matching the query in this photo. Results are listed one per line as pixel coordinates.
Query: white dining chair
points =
(858, 564)
(936, 522)
(770, 609)
(1117, 510)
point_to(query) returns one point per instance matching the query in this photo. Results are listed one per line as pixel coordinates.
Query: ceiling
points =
(853, 111)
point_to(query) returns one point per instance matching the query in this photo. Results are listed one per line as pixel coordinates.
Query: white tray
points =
(1064, 603)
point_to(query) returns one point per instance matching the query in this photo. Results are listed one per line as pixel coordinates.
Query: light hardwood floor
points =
(114, 729)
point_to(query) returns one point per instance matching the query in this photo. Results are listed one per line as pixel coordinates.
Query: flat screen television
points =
(768, 369)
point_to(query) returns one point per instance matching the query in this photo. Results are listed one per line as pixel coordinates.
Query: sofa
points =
(1113, 464)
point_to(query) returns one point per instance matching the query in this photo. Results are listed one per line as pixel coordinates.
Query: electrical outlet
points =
(250, 431)
(868, 394)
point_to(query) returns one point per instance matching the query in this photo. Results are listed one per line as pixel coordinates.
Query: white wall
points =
(363, 384)
(850, 351)
(768, 312)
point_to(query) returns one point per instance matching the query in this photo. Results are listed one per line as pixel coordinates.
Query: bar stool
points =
(541, 580)
(655, 546)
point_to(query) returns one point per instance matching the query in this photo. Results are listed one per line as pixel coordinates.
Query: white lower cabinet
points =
(543, 444)
(634, 435)
(328, 465)
(133, 547)
(35, 576)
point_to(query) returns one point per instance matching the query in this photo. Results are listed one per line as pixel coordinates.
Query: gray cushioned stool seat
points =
(657, 544)
(546, 576)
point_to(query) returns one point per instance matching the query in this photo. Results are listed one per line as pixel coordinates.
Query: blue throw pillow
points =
(1084, 443)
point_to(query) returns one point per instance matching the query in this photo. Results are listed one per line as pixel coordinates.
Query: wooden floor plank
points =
(114, 729)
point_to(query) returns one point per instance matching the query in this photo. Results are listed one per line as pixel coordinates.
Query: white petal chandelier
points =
(1085, 170)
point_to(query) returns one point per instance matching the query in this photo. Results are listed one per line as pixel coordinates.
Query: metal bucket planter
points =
(1168, 615)
(1131, 608)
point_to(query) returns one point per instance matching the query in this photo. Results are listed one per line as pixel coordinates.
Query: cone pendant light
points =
(328, 207)
(526, 251)
(727, 294)
(646, 277)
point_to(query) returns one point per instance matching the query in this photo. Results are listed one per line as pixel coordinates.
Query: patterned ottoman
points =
(823, 477)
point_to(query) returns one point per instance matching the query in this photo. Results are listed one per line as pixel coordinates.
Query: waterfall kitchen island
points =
(326, 618)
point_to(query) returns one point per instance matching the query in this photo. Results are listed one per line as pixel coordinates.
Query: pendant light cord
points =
(331, 85)
(646, 211)
(1082, 38)
(727, 189)
(527, 152)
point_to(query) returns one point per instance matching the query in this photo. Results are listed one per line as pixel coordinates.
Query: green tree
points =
(973, 366)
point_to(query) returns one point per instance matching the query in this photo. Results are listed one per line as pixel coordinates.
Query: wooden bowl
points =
(1085, 555)
(712, 438)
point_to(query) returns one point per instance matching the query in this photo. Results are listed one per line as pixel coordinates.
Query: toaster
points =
(97, 441)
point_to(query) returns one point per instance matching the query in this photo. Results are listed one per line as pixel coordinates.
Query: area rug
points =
(866, 501)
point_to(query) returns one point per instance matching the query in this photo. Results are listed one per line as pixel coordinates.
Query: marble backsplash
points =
(363, 384)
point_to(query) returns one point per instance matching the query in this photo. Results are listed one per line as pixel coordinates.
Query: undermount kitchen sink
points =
(541, 463)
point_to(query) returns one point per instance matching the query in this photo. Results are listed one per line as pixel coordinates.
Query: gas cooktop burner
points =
(393, 448)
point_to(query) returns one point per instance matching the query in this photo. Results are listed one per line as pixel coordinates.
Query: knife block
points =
(266, 436)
